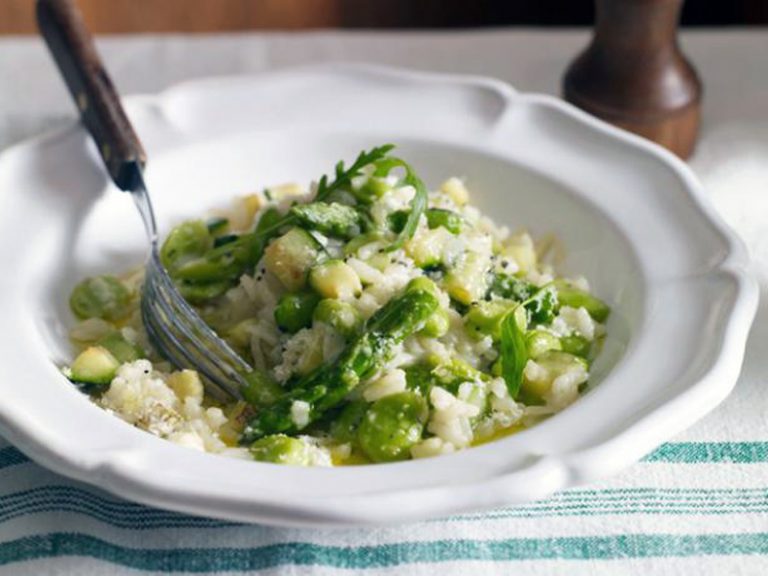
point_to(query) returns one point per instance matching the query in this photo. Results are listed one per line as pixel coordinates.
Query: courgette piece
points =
(335, 279)
(94, 365)
(290, 257)
(468, 281)
(426, 248)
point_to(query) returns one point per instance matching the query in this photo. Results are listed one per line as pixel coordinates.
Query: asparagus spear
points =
(330, 219)
(328, 385)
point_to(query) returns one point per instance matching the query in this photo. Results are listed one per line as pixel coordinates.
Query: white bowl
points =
(632, 217)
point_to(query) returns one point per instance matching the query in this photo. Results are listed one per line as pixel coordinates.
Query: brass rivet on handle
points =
(82, 101)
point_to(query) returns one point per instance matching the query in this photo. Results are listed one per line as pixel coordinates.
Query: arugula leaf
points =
(513, 352)
(418, 204)
(343, 177)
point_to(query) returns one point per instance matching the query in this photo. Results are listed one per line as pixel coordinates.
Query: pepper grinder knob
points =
(634, 75)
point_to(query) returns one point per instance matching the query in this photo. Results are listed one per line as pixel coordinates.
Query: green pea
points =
(102, 297)
(280, 449)
(294, 311)
(392, 425)
(341, 316)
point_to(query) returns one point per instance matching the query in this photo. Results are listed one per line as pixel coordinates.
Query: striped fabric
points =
(684, 501)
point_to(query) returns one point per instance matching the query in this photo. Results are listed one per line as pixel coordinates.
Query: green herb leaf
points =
(514, 353)
(418, 204)
(343, 177)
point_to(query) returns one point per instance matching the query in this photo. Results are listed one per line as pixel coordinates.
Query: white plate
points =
(632, 217)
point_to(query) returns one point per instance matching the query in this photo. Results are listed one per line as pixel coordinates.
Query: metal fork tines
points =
(175, 328)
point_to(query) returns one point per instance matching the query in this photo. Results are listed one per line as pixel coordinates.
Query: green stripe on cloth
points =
(583, 502)
(673, 453)
(714, 452)
(117, 513)
(10, 456)
(386, 555)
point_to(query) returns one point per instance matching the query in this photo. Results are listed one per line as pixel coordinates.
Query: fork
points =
(174, 327)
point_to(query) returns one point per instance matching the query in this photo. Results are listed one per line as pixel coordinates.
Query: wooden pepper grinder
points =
(634, 75)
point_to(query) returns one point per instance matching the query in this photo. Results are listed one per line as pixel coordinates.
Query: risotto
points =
(383, 322)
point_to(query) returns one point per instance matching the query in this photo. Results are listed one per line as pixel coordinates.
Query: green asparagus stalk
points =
(328, 385)
(334, 219)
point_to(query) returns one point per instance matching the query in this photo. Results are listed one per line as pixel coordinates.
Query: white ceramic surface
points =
(632, 217)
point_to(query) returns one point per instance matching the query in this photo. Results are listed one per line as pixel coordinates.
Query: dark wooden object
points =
(96, 98)
(634, 75)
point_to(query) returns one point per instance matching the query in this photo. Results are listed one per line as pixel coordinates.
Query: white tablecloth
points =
(698, 505)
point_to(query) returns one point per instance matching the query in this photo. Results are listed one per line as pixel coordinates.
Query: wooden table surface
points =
(152, 16)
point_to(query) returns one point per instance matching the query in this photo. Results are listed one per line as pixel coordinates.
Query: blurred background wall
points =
(131, 16)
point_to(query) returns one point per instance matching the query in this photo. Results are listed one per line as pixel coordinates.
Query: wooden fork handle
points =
(97, 101)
